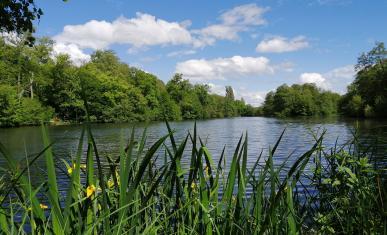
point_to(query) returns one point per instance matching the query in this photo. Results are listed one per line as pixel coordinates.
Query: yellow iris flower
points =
(71, 169)
(90, 190)
(110, 183)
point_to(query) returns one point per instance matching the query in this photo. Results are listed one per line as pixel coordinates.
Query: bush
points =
(8, 105)
(31, 112)
(348, 195)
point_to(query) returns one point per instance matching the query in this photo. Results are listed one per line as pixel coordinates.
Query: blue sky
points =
(255, 46)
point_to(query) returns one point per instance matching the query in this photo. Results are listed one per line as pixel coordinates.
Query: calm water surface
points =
(217, 133)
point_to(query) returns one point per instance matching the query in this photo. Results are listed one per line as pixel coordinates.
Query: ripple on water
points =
(217, 133)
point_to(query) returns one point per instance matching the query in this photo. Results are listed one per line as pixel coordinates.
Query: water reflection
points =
(217, 133)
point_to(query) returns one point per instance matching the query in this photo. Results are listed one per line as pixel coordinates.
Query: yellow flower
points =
(118, 177)
(43, 206)
(110, 183)
(193, 185)
(207, 170)
(72, 168)
(90, 190)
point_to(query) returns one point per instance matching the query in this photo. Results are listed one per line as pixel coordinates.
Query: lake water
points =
(217, 133)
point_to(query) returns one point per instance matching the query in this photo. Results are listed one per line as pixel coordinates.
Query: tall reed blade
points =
(53, 194)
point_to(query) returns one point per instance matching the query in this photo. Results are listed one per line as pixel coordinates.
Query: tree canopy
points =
(18, 16)
(300, 100)
(367, 95)
(35, 87)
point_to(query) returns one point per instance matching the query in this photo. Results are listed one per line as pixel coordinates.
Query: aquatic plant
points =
(134, 194)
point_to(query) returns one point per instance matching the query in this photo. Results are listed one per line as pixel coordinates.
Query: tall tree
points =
(367, 95)
(229, 108)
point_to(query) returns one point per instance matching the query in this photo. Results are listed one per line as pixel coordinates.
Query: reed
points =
(135, 195)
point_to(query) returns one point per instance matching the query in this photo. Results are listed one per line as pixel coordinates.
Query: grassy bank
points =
(345, 193)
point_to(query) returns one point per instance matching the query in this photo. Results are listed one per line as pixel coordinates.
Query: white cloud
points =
(181, 53)
(77, 56)
(248, 14)
(340, 77)
(145, 30)
(346, 72)
(232, 22)
(315, 78)
(217, 89)
(222, 68)
(279, 44)
(255, 98)
(142, 31)
(219, 31)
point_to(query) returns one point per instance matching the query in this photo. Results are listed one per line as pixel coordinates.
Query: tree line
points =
(36, 87)
(366, 96)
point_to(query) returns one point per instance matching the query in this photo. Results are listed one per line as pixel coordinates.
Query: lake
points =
(217, 133)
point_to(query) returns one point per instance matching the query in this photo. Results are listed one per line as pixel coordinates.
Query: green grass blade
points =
(53, 193)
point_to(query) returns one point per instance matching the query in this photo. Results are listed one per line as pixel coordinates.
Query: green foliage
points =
(349, 195)
(196, 102)
(14, 110)
(352, 105)
(18, 16)
(300, 100)
(115, 91)
(8, 104)
(31, 112)
(135, 195)
(367, 95)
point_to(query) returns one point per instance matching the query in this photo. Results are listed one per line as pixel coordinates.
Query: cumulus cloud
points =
(279, 44)
(232, 22)
(222, 68)
(315, 78)
(346, 72)
(341, 77)
(142, 31)
(217, 89)
(77, 56)
(248, 14)
(254, 98)
(145, 30)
